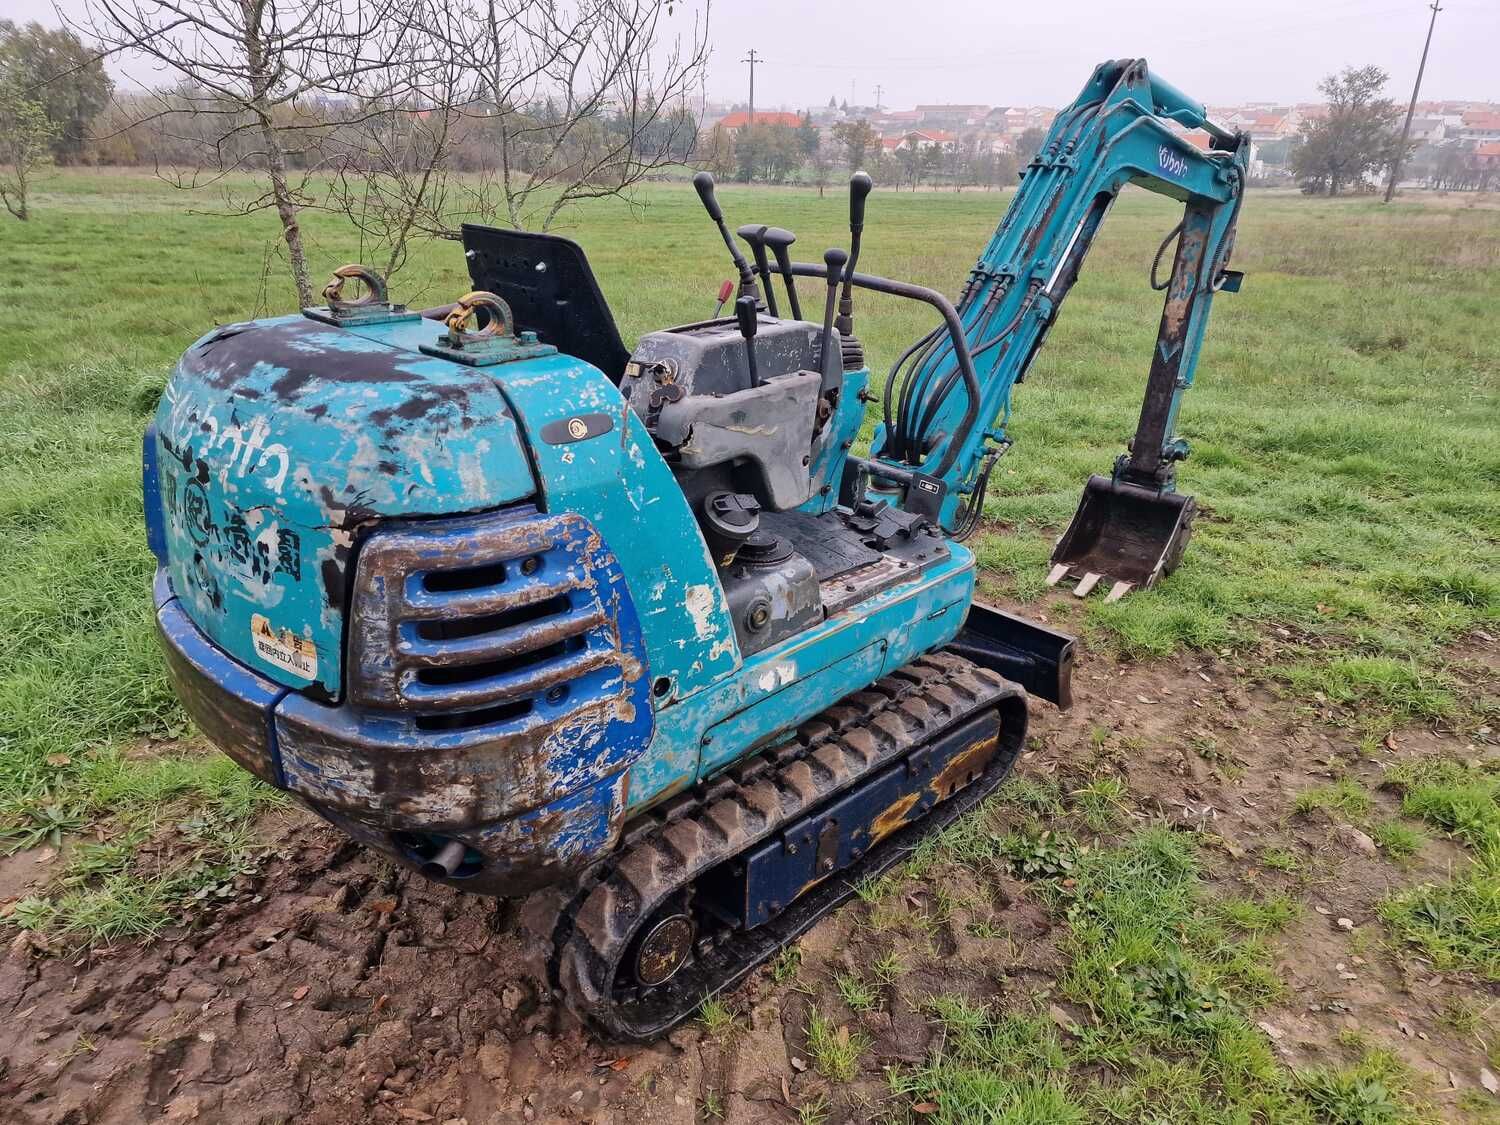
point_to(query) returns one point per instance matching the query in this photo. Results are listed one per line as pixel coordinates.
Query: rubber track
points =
(591, 923)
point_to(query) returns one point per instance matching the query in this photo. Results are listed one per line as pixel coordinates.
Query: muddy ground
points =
(333, 989)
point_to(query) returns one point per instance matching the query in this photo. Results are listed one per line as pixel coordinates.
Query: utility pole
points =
(878, 91)
(1390, 186)
(752, 58)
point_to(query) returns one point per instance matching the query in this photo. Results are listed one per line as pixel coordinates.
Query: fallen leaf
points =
(786, 1091)
(59, 760)
(301, 993)
(1488, 1080)
(1390, 741)
(619, 1065)
(925, 1108)
(799, 1064)
(381, 905)
(1271, 1030)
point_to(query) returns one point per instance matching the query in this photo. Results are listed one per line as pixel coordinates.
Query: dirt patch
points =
(22, 870)
(335, 989)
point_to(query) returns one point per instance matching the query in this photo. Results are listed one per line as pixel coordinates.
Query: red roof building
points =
(740, 118)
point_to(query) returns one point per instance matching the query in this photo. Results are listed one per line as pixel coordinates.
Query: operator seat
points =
(550, 288)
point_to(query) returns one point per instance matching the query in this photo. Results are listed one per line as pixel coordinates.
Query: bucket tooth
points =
(1118, 591)
(1086, 585)
(1057, 574)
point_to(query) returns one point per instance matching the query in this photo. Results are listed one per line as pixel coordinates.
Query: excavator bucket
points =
(1123, 534)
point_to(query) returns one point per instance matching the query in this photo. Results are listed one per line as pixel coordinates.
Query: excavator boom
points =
(1131, 526)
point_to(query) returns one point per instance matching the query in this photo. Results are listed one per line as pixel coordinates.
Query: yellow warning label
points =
(284, 648)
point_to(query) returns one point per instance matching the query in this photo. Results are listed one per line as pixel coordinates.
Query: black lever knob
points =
(748, 318)
(859, 190)
(704, 182)
(834, 260)
(777, 237)
(755, 235)
(780, 241)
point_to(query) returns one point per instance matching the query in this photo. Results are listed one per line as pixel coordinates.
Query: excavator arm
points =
(938, 433)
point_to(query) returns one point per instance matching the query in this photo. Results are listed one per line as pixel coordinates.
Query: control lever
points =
(755, 235)
(746, 313)
(833, 356)
(704, 183)
(780, 242)
(725, 291)
(859, 189)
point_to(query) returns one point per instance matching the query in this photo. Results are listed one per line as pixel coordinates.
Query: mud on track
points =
(334, 989)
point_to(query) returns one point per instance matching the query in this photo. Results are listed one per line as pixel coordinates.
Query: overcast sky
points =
(1039, 52)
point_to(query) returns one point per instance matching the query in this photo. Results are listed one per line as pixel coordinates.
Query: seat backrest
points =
(550, 288)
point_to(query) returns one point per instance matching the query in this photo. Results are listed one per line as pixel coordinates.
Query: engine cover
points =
(276, 443)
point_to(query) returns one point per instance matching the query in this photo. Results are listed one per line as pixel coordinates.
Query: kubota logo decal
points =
(1170, 160)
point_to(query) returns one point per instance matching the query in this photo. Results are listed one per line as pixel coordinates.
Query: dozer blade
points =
(1123, 534)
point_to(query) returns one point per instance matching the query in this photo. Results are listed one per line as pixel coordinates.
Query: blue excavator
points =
(636, 634)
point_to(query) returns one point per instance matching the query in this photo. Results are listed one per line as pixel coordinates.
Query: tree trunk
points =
(286, 211)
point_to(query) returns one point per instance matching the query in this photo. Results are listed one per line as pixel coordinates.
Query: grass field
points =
(1345, 449)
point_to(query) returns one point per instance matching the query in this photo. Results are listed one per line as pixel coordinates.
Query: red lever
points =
(724, 291)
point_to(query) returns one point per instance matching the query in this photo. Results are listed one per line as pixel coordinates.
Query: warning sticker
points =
(283, 648)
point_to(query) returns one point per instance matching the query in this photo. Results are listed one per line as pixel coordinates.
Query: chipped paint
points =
(700, 606)
(277, 441)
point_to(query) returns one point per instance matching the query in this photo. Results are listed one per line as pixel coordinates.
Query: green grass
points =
(835, 1050)
(1456, 923)
(718, 1018)
(1342, 425)
(856, 992)
(1345, 796)
(1167, 980)
(1398, 840)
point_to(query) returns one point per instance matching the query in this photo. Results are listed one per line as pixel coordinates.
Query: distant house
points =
(1428, 130)
(952, 116)
(1480, 127)
(1487, 154)
(919, 139)
(740, 118)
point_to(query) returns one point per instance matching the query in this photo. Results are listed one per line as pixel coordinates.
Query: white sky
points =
(1039, 52)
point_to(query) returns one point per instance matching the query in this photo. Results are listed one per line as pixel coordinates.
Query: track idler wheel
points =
(664, 947)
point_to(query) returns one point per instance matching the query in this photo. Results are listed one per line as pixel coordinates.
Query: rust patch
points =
(955, 775)
(892, 818)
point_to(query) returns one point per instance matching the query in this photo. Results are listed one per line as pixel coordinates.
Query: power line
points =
(1390, 186)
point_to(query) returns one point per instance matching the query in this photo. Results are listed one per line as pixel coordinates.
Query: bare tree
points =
(258, 83)
(391, 166)
(580, 99)
(511, 111)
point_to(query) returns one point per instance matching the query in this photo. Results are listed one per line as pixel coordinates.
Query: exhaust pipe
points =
(445, 861)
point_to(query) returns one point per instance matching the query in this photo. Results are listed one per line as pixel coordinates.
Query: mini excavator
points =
(636, 634)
